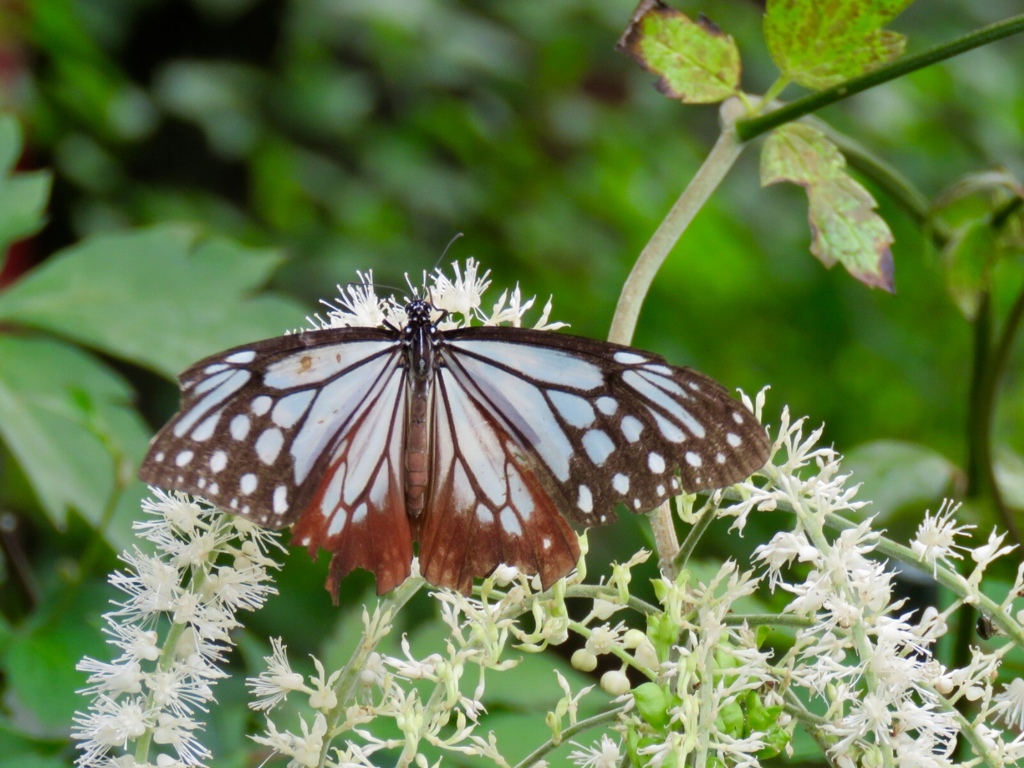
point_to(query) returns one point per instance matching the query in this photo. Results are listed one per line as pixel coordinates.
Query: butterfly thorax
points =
(419, 340)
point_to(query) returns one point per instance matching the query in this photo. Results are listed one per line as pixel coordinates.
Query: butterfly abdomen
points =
(418, 346)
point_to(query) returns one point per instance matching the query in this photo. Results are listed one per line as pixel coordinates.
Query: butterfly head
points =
(418, 312)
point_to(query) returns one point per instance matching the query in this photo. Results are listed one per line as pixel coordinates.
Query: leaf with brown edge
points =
(695, 61)
(844, 225)
(821, 43)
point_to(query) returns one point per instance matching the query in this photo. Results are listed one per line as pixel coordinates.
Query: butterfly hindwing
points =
(488, 504)
(358, 510)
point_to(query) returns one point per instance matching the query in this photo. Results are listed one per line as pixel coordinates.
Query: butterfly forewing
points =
(257, 421)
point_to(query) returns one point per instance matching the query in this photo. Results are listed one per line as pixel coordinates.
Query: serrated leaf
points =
(821, 43)
(844, 225)
(695, 61)
(67, 418)
(23, 196)
(159, 297)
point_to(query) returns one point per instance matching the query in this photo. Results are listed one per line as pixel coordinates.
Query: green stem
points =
(978, 409)
(718, 162)
(583, 725)
(349, 679)
(748, 129)
(697, 530)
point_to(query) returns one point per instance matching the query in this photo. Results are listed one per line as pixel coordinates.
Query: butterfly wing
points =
(603, 424)
(303, 429)
(487, 504)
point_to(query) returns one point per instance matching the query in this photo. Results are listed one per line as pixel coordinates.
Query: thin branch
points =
(748, 129)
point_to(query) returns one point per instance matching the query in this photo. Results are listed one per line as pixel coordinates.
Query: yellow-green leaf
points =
(820, 43)
(844, 225)
(695, 61)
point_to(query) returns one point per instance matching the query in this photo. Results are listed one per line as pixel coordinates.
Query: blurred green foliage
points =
(200, 150)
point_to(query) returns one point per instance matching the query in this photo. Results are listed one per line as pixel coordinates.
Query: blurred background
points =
(320, 137)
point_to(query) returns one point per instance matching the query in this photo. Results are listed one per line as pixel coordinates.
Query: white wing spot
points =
(693, 385)
(291, 408)
(675, 483)
(281, 499)
(159, 457)
(510, 523)
(664, 370)
(183, 458)
(576, 411)
(620, 483)
(655, 463)
(240, 426)
(586, 500)
(737, 417)
(201, 483)
(636, 503)
(483, 514)
(337, 523)
(234, 503)
(332, 496)
(607, 405)
(360, 514)
(218, 461)
(261, 404)
(631, 427)
(205, 430)
(245, 356)
(629, 358)
(268, 445)
(720, 458)
(214, 368)
(248, 483)
(598, 446)
(733, 440)
(693, 459)
(547, 543)
(660, 490)
(214, 489)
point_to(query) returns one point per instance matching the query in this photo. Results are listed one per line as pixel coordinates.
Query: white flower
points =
(936, 536)
(146, 690)
(605, 754)
(1009, 703)
(274, 683)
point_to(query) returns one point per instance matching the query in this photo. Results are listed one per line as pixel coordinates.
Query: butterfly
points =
(483, 444)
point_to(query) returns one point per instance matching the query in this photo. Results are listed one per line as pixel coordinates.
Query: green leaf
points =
(23, 196)
(159, 297)
(895, 474)
(68, 421)
(821, 43)
(844, 225)
(40, 662)
(969, 256)
(695, 61)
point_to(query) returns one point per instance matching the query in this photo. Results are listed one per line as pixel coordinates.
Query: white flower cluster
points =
(689, 679)
(172, 631)
(458, 301)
